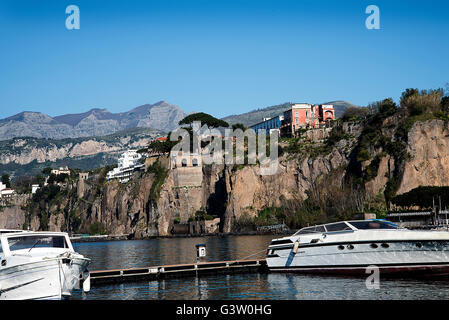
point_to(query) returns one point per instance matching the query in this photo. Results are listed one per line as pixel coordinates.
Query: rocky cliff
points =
(428, 145)
(152, 202)
(28, 155)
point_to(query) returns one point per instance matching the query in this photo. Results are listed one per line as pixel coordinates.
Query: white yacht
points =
(40, 265)
(349, 247)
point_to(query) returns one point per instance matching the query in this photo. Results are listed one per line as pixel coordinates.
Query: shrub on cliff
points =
(96, 228)
(60, 178)
(161, 146)
(355, 113)
(419, 102)
(46, 193)
(201, 215)
(160, 174)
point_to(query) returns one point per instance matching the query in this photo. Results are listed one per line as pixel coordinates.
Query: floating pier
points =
(178, 271)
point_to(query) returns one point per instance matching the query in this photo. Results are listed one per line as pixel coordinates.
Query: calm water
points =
(143, 253)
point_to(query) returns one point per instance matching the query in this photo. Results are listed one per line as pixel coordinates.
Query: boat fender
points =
(295, 247)
(86, 282)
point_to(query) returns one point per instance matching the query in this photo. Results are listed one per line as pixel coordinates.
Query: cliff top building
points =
(7, 193)
(187, 169)
(127, 164)
(61, 170)
(34, 188)
(299, 116)
(304, 115)
(83, 175)
(269, 124)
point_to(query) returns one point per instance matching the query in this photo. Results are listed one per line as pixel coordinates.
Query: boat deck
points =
(178, 271)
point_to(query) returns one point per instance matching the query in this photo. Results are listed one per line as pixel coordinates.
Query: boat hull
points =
(45, 279)
(392, 258)
(392, 271)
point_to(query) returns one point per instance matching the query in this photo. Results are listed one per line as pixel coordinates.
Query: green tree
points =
(39, 179)
(354, 113)
(238, 126)
(407, 94)
(204, 118)
(424, 101)
(158, 146)
(6, 180)
(46, 170)
(62, 177)
(387, 106)
(445, 104)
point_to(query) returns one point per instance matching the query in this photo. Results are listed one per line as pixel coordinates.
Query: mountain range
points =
(100, 122)
(96, 122)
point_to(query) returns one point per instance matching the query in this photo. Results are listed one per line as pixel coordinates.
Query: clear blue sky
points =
(215, 56)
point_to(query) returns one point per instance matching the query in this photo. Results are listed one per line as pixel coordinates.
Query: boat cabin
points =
(373, 224)
(29, 243)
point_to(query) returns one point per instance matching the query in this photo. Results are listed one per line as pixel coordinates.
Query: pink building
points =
(304, 115)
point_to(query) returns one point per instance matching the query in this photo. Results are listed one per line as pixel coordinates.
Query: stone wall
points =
(188, 176)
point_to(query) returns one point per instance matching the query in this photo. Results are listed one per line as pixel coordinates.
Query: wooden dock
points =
(178, 271)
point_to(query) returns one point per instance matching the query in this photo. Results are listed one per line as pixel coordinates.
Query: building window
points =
(195, 162)
(184, 162)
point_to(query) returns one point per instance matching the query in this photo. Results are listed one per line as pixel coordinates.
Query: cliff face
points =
(231, 192)
(249, 192)
(428, 144)
(25, 150)
(12, 213)
(28, 156)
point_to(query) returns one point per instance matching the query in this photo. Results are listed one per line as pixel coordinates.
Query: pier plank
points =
(177, 271)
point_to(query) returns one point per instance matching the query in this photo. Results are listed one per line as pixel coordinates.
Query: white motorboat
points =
(350, 247)
(40, 265)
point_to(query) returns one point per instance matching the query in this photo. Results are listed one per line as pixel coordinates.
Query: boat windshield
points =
(373, 224)
(314, 229)
(42, 241)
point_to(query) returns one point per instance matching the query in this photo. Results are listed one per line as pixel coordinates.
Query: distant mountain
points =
(96, 122)
(255, 116)
(28, 156)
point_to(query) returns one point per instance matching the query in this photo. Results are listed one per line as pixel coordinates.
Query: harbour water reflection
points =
(154, 252)
(142, 253)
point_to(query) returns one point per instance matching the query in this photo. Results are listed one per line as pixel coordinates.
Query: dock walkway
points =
(178, 271)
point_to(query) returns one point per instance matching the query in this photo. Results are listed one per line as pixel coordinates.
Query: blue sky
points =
(220, 57)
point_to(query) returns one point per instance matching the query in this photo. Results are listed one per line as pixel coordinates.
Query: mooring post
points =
(200, 252)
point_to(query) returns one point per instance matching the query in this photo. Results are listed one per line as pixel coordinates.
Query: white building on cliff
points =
(127, 164)
(6, 192)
